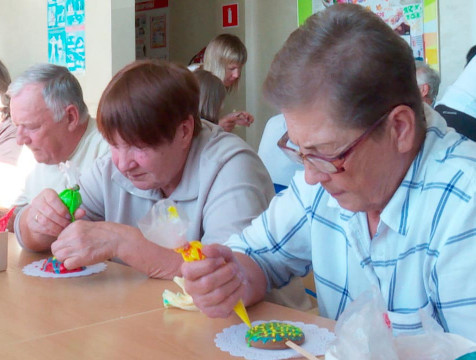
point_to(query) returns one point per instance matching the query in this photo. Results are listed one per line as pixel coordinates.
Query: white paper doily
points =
(232, 340)
(34, 269)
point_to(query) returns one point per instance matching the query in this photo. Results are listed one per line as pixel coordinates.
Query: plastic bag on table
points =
(364, 331)
(432, 344)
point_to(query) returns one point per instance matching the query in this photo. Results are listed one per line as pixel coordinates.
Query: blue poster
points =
(66, 34)
(75, 51)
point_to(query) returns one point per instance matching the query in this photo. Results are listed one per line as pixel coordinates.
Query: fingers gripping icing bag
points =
(70, 196)
(72, 199)
(166, 226)
(193, 252)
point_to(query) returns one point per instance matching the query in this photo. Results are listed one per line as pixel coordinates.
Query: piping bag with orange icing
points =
(170, 231)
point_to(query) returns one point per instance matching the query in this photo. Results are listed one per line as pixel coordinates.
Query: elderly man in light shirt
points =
(52, 120)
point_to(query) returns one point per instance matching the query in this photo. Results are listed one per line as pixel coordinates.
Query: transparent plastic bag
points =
(364, 330)
(165, 225)
(432, 344)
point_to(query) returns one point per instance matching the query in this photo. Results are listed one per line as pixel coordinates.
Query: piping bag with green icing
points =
(167, 226)
(70, 196)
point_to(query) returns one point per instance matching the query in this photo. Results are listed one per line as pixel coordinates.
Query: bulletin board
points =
(152, 28)
(416, 21)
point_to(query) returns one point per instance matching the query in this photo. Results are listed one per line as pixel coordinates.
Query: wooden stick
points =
(300, 350)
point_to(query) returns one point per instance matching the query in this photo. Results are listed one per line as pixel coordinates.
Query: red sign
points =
(230, 15)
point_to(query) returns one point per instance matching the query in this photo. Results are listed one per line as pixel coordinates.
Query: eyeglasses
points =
(325, 164)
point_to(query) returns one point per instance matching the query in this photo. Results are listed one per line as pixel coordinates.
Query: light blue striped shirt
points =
(423, 255)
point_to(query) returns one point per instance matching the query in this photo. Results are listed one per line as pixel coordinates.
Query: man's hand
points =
(216, 283)
(44, 219)
(47, 215)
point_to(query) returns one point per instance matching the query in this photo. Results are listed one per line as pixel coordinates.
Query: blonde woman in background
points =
(225, 57)
(212, 95)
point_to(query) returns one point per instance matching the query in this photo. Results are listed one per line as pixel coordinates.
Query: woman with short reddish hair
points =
(160, 149)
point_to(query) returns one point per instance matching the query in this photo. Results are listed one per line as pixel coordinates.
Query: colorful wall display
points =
(66, 34)
(415, 21)
(430, 34)
(151, 25)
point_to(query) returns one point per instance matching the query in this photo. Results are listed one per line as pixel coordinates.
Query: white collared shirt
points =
(423, 255)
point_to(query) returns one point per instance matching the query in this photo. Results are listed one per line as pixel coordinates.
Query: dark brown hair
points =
(146, 101)
(348, 57)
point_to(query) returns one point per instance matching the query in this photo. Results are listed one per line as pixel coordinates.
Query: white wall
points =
(109, 40)
(264, 26)
(192, 26)
(457, 34)
(268, 25)
(23, 37)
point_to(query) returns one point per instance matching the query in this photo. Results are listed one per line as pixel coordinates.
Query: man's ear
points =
(425, 89)
(404, 128)
(72, 117)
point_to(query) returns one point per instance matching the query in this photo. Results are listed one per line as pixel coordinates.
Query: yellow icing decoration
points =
(273, 331)
(173, 213)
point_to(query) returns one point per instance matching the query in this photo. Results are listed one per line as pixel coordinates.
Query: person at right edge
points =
(458, 103)
(386, 198)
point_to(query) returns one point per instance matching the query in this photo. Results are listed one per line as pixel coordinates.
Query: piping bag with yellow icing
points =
(170, 231)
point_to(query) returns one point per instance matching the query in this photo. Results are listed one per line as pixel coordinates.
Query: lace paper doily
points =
(34, 269)
(232, 340)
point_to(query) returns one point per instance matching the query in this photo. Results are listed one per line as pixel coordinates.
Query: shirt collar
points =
(395, 213)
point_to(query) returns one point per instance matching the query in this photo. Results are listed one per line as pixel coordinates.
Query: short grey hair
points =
(350, 57)
(60, 90)
(426, 75)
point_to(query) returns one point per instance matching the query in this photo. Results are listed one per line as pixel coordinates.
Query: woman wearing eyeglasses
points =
(386, 199)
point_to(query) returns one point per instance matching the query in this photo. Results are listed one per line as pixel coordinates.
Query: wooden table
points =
(116, 314)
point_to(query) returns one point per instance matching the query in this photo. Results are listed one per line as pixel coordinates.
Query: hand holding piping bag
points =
(70, 196)
(173, 229)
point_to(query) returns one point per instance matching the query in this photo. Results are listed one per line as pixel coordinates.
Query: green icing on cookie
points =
(273, 331)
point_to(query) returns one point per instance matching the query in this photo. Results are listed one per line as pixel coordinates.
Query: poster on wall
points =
(158, 31)
(430, 34)
(414, 20)
(151, 27)
(66, 34)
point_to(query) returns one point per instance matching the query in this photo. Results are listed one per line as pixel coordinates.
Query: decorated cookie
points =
(273, 335)
(52, 265)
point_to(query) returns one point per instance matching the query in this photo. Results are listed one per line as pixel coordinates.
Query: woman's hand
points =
(244, 119)
(87, 243)
(216, 283)
(229, 121)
